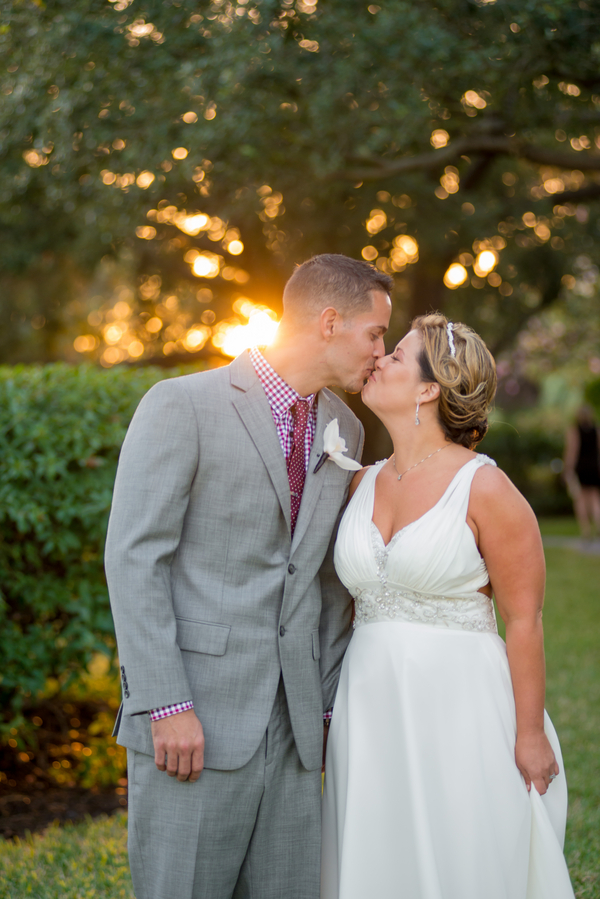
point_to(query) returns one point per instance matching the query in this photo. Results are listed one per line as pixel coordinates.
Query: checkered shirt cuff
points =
(168, 710)
(327, 716)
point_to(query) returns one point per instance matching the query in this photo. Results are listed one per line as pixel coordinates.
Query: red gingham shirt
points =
(281, 398)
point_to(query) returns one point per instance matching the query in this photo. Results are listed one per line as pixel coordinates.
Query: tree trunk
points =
(427, 290)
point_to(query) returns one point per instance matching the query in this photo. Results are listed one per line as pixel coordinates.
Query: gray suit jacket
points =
(212, 598)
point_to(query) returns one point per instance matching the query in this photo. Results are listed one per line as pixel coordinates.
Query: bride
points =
(444, 778)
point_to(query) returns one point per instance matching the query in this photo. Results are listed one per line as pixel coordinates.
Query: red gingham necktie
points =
(296, 463)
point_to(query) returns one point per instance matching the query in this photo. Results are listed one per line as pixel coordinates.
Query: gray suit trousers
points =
(249, 833)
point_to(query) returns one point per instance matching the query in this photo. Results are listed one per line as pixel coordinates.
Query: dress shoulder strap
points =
(465, 475)
(458, 493)
(482, 459)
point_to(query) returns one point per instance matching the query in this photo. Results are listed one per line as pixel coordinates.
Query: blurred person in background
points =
(582, 470)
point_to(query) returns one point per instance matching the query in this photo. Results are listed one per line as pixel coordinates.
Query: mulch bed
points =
(33, 810)
(30, 797)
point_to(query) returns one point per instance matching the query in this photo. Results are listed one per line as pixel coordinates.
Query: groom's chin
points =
(358, 385)
(355, 388)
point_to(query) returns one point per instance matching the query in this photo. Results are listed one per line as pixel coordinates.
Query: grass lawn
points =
(572, 626)
(559, 526)
(90, 860)
(82, 861)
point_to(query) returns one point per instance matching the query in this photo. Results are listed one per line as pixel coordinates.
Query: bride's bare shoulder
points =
(493, 493)
(490, 479)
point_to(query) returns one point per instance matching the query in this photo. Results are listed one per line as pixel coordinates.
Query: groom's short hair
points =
(333, 280)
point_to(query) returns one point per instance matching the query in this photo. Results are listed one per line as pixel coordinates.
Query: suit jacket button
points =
(291, 568)
(126, 694)
(281, 631)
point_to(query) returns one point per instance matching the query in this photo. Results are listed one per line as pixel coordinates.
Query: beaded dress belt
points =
(469, 612)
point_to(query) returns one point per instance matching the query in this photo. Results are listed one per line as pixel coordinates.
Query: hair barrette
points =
(449, 329)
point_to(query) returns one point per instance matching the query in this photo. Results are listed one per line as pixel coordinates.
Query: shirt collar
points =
(280, 395)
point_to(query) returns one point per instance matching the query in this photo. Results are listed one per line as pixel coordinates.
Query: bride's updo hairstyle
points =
(467, 380)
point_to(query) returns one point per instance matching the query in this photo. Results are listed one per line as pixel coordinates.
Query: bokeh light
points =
(376, 221)
(472, 98)
(206, 265)
(232, 337)
(484, 263)
(135, 348)
(144, 180)
(369, 253)
(191, 224)
(439, 138)
(196, 337)
(85, 343)
(455, 275)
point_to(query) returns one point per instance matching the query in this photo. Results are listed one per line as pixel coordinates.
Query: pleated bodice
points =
(431, 571)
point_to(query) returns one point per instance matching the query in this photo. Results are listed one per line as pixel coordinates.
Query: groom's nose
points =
(379, 349)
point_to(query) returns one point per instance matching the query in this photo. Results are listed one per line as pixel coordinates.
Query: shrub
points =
(529, 454)
(61, 428)
(592, 394)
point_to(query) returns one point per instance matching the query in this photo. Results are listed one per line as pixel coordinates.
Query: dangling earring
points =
(417, 422)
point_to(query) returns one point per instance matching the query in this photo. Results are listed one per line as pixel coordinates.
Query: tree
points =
(445, 129)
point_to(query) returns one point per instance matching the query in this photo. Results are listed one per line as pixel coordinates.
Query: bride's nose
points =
(382, 362)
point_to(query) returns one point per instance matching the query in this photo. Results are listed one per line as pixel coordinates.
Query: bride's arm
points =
(510, 543)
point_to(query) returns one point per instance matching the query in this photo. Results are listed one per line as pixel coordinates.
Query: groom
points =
(231, 623)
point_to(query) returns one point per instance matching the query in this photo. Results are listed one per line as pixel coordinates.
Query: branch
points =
(591, 192)
(494, 146)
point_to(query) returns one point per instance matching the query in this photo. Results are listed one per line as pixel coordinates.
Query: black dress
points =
(588, 462)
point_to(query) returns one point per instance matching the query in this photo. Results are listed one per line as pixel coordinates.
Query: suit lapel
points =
(314, 482)
(254, 410)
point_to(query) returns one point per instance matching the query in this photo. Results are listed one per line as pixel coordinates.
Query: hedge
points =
(526, 454)
(61, 428)
(592, 394)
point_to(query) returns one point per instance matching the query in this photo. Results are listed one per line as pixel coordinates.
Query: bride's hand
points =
(535, 760)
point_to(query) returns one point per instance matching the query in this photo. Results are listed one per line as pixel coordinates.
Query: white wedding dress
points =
(422, 798)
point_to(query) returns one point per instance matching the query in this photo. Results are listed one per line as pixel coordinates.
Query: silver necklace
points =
(400, 476)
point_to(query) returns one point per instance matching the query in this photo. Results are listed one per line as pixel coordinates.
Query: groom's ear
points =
(330, 321)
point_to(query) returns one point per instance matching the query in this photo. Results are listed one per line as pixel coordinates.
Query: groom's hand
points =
(179, 745)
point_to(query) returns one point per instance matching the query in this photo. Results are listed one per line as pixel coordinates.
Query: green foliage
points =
(87, 861)
(525, 454)
(559, 350)
(61, 429)
(66, 738)
(333, 107)
(592, 394)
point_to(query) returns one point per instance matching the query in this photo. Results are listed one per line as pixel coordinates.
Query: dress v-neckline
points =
(388, 545)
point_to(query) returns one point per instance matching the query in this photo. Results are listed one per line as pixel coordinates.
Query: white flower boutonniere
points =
(334, 448)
